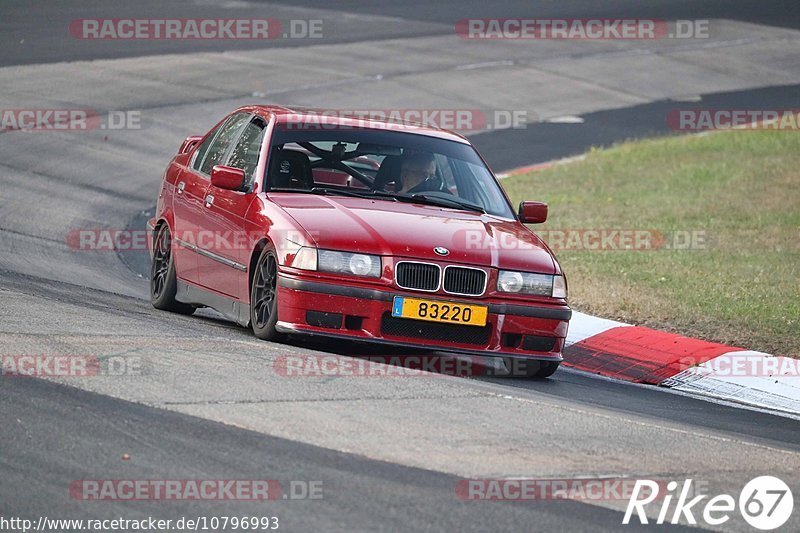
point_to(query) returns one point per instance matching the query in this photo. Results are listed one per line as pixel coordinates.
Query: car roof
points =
(349, 119)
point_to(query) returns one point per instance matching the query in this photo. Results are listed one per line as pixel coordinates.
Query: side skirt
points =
(228, 307)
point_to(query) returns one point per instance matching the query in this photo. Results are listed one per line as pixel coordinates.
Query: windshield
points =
(385, 165)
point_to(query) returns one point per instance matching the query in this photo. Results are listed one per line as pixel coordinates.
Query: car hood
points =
(414, 230)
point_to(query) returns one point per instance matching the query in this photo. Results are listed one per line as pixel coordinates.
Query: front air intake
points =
(418, 276)
(464, 281)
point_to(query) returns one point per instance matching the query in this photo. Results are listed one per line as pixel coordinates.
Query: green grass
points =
(741, 188)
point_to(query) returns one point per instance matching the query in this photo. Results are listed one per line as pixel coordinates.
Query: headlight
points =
(349, 263)
(529, 283)
(510, 281)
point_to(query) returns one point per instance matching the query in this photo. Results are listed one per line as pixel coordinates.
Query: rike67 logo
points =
(766, 503)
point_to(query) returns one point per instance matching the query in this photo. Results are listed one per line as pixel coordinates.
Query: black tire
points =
(264, 297)
(530, 368)
(163, 283)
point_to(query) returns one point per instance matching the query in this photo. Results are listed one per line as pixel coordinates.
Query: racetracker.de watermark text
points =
(195, 29)
(580, 29)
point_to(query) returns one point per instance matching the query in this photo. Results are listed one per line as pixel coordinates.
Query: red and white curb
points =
(706, 369)
(643, 355)
(539, 166)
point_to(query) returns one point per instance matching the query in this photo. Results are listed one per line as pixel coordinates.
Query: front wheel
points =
(530, 368)
(163, 283)
(264, 297)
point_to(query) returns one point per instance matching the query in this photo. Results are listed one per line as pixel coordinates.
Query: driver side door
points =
(225, 212)
(196, 237)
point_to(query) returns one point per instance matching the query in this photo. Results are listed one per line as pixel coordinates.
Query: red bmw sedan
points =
(294, 222)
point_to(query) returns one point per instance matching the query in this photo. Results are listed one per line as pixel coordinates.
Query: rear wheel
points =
(264, 297)
(530, 368)
(163, 283)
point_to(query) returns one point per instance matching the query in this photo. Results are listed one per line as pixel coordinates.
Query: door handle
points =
(209, 200)
(181, 186)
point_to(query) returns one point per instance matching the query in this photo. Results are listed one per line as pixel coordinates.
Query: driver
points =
(418, 173)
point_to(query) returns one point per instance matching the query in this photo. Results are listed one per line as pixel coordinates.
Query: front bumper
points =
(336, 310)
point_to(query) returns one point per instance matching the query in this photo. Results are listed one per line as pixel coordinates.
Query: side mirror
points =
(229, 178)
(532, 212)
(190, 143)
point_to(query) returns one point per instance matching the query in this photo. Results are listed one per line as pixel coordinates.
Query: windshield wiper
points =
(343, 192)
(438, 201)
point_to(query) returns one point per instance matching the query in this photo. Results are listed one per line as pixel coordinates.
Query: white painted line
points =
(485, 64)
(719, 401)
(566, 119)
(748, 377)
(688, 98)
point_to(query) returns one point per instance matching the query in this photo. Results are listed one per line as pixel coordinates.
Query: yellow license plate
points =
(437, 311)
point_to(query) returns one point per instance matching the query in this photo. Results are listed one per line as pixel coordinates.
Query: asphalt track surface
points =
(359, 495)
(550, 141)
(35, 33)
(52, 434)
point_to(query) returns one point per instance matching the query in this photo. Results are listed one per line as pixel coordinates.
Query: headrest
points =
(291, 168)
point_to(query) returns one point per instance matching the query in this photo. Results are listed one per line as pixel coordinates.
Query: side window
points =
(219, 148)
(201, 152)
(245, 152)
